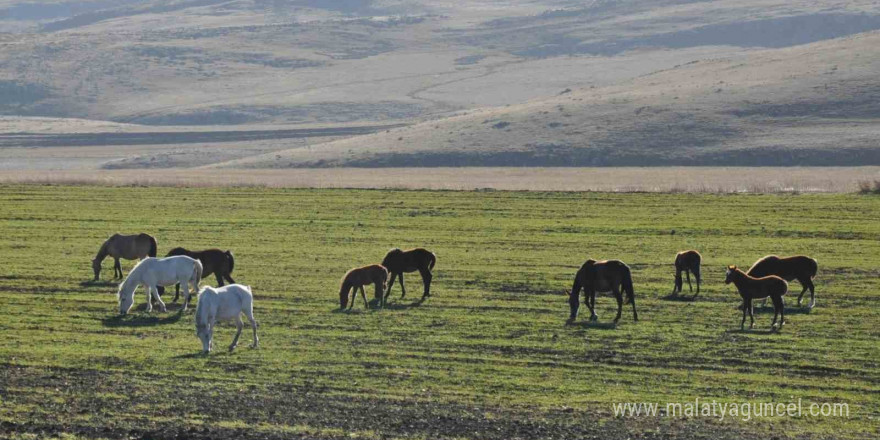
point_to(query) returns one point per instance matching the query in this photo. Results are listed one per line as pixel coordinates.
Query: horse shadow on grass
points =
(99, 283)
(374, 306)
(679, 298)
(592, 325)
(400, 305)
(761, 310)
(139, 320)
(755, 331)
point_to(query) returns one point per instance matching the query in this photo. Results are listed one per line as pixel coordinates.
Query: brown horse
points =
(687, 262)
(799, 267)
(602, 276)
(359, 277)
(397, 262)
(130, 247)
(751, 288)
(214, 261)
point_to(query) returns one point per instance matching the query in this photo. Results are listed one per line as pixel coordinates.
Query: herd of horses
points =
(767, 278)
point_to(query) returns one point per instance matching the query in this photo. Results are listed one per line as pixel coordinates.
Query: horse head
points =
(730, 271)
(96, 267)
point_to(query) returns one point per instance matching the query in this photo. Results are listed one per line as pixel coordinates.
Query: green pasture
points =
(489, 355)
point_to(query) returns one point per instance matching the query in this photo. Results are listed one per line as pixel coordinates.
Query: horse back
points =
(788, 268)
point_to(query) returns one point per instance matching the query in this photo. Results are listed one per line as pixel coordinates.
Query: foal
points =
(751, 288)
(397, 262)
(687, 262)
(359, 277)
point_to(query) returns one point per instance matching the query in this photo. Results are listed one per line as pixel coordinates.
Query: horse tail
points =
(432, 260)
(197, 274)
(627, 284)
(814, 267)
(153, 246)
(231, 261)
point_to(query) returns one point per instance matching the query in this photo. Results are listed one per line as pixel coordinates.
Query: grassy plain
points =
(488, 356)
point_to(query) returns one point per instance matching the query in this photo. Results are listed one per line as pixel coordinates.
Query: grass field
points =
(487, 356)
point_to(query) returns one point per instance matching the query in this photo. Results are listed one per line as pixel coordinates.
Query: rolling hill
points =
(486, 82)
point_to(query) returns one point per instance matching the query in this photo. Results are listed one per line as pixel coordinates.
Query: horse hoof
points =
(594, 318)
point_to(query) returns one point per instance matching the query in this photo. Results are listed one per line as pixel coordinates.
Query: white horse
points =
(224, 304)
(152, 272)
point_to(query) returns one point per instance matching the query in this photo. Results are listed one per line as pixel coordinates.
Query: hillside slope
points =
(816, 104)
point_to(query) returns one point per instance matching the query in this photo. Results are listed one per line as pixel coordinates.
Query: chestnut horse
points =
(751, 288)
(799, 267)
(130, 247)
(397, 262)
(602, 276)
(214, 261)
(358, 278)
(687, 262)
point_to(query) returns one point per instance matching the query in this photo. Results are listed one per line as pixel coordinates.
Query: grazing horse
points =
(152, 272)
(224, 304)
(358, 278)
(687, 262)
(130, 247)
(397, 262)
(214, 261)
(799, 267)
(751, 288)
(602, 276)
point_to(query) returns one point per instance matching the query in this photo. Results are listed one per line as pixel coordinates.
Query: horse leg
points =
(781, 311)
(354, 295)
(364, 296)
(185, 286)
(587, 295)
(387, 291)
(688, 273)
(117, 269)
(426, 280)
(229, 278)
(745, 308)
(147, 287)
(812, 293)
(633, 301)
(402, 287)
(390, 283)
(803, 291)
(155, 292)
(250, 317)
(219, 279)
(619, 298)
(751, 314)
(238, 326)
(675, 282)
(697, 276)
(775, 311)
(176, 292)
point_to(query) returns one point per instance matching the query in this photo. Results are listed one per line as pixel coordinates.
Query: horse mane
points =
(133, 277)
(761, 260)
(200, 306)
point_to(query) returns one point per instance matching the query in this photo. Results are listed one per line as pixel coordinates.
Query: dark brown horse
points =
(687, 262)
(399, 262)
(130, 247)
(358, 278)
(799, 267)
(751, 288)
(214, 261)
(602, 276)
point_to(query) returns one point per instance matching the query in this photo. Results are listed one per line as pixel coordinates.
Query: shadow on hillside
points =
(132, 320)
